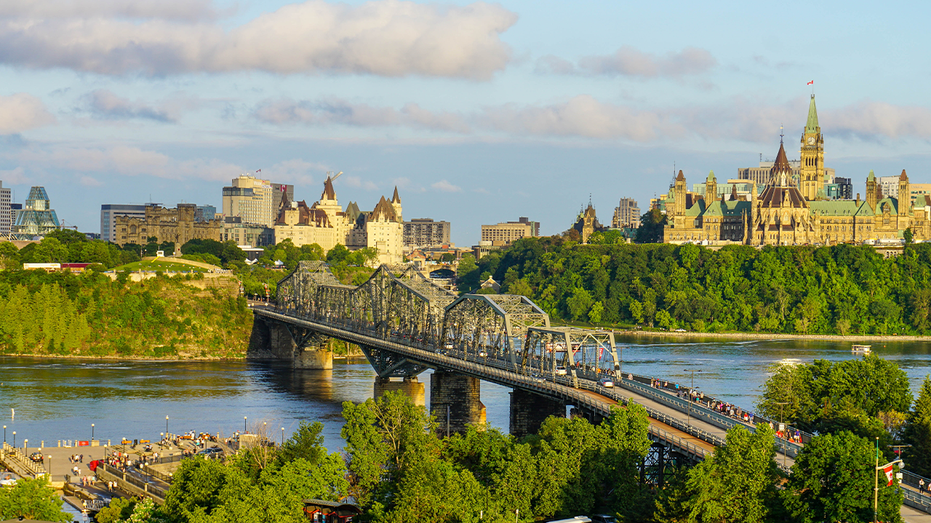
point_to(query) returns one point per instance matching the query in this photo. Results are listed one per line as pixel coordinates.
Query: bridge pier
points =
(455, 400)
(276, 340)
(529, 410)
(408, 386)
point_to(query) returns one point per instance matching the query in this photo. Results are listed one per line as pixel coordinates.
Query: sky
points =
(478, 112)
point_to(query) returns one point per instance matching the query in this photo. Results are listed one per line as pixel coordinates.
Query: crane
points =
(332, 176)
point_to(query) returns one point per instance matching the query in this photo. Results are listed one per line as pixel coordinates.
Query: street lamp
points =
(782, 422)
(244, 418)
(4, 433)
(879, 467)
(50, 468)
(689, 399)
(166, 426)
(14, 439)
(282, 436)
(92, 432)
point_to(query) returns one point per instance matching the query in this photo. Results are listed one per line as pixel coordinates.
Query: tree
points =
(338, 254)
(31, 499)
(918, 432)
(832, 480)
(738, 482)
(467, 273)
(651, 227)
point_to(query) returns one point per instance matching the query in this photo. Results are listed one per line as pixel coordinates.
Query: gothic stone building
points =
(166, 225)
(790, 213)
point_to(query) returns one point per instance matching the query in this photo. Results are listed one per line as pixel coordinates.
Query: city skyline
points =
(479, 113)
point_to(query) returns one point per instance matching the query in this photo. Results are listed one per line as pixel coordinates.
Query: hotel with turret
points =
(792, 208)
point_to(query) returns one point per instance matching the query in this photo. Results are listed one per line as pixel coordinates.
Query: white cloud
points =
(580, 116)
(867, 118)
(21, 112)
(629, 61)
(359, 183)
(297, 171)
(336, 111)
(127, 161)
(380, 37)
(106, 105)
(445, 186)
(167, 9)
(15, 176)
(90, 181)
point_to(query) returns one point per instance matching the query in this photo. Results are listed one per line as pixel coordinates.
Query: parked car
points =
(212, 452)
(606, 382)
(483, 354)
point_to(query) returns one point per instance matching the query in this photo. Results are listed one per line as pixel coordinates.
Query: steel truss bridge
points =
(405, 325)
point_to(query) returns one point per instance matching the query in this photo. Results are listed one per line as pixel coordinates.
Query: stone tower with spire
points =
(811, 170)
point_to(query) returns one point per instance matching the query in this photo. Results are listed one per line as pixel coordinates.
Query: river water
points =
(60, 399)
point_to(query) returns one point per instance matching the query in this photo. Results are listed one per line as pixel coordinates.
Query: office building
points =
(421, 233)
(234, 229)
(509, 232)
(205, 213)
(109, 213)
(6, 217)
(254, 200)
(626, 214)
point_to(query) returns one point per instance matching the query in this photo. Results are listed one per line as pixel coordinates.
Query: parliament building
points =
(791, 208)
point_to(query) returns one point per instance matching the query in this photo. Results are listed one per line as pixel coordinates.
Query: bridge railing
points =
(701, 411)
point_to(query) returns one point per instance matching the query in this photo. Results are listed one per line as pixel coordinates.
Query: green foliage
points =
(88, 314)
(651, 227)
(31, 499)
(814, 290)
(918, 432)
(119, 509)
(738, 483)
(846, 395)
(832, 480)
(226, 252)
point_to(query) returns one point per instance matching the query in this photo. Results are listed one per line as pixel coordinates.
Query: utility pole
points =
(689, 399)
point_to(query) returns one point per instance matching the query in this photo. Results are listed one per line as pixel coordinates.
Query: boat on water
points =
(860, 349)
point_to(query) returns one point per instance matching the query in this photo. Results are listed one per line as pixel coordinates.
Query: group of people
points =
(77, 458)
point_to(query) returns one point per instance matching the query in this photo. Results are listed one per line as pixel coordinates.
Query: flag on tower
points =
(260, 170)
(811, 82)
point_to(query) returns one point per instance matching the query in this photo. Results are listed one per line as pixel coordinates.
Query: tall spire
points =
(395, 198)
(812, 125)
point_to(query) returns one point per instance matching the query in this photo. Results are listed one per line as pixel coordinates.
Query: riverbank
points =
(770, 336)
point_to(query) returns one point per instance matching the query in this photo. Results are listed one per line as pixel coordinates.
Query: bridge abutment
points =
(410, 387)
(316, 359)
(529, 410)
(455, 400)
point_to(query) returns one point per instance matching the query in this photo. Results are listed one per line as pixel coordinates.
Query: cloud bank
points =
(21, 112)
(631, 62)
(381, 37)
(104, 104)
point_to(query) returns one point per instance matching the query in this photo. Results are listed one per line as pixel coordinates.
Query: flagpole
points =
(876, 484)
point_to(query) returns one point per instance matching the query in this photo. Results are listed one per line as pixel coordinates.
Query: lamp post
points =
(688, 415)
(14, 439)
(50, 468)
(879, 467)
(782, 422)
(92, 432)
(244, 418)
(166, 426)
(282, 436)
(4, 433)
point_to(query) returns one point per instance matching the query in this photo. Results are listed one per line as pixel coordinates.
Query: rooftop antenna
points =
(780, 134)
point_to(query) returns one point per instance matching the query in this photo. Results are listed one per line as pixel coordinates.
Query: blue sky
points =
(478, 112)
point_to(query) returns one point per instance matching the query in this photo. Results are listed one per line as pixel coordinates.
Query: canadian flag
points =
(812, 82)
(888, 472)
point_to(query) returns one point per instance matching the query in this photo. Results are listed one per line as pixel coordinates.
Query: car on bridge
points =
(606, 382)
(211, 453)
(561, 371)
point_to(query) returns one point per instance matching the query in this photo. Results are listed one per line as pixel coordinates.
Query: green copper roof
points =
(871, 177)
(711, 176)
(812, 125)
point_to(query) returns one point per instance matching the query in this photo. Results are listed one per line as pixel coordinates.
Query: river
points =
(60, 399)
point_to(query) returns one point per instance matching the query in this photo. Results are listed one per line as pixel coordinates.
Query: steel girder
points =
(491, 326)
(585, 353)
(389, 364)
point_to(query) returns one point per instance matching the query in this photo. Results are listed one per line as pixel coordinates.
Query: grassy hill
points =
(160, 264)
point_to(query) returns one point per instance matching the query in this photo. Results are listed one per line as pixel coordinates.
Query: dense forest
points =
(842, 289)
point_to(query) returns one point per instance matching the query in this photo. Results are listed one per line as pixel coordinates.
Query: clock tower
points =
(811, 170)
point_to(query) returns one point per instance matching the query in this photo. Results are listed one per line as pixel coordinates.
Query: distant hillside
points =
(90, 315)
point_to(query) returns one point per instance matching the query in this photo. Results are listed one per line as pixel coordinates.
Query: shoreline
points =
(771, 336)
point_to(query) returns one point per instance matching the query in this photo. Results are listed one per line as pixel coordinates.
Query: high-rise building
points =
(6, 217)
(509, 232)
(424, 232)
(255, 200)
(108, 214)
(37, 217)
(626, 214)
(205, 213)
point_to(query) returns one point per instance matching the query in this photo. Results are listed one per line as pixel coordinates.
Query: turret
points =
(711, 188)
(905, 196)
(680, 194)
(871, 188)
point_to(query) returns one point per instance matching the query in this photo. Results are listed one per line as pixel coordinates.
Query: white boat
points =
(860, 349)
